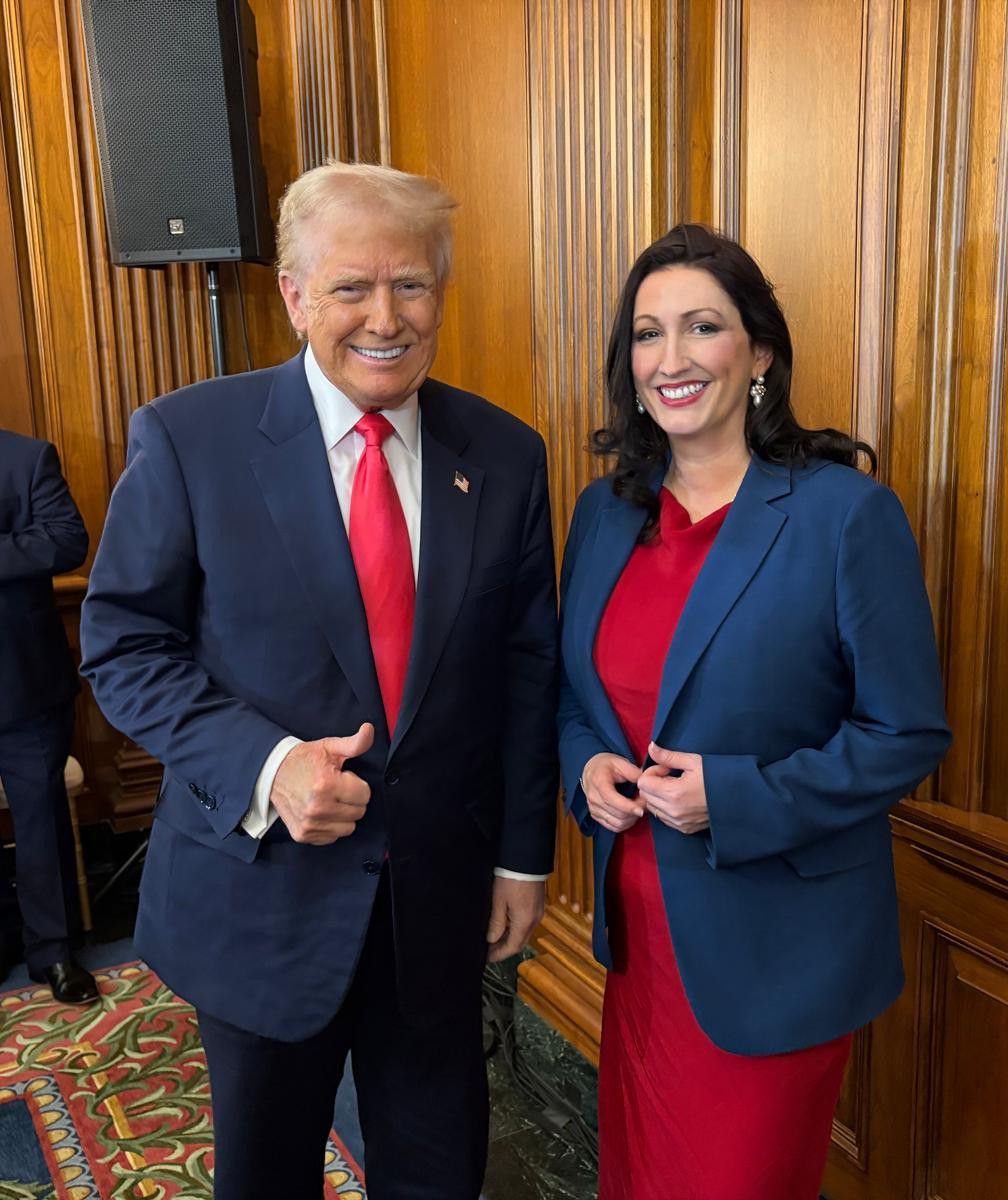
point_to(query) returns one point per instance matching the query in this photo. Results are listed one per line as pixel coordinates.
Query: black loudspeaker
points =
(176, 103)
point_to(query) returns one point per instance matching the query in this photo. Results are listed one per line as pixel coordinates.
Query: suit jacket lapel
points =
(750, 529)
(595, 575)
(296, 482)
(447, 529)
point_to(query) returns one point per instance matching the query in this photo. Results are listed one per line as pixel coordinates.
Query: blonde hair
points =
(419, 203)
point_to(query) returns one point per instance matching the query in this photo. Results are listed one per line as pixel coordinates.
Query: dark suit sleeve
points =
(55, 539)
(578, 741)
(529, 742)
(896, 733)
(136, 630)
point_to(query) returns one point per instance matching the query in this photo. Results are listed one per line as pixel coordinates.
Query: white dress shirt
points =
(337, 416)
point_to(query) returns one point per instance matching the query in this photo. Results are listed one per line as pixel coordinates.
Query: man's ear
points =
(294, 299)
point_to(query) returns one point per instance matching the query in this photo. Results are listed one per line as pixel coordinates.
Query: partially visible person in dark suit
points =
(41, 535)
(325, 600)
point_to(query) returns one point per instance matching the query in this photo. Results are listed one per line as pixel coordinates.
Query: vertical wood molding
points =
(952, 147)
(318, 58)
(375, 139)
(728, 118)
(338, 63)
(995, 520)
(875, 256)
(850, 1124)
(695, 86)
(606, 175)
(600, 193)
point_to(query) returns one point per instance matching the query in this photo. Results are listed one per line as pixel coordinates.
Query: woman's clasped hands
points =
(671, 789)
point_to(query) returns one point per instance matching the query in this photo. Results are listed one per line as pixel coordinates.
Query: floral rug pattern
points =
(111, 1101)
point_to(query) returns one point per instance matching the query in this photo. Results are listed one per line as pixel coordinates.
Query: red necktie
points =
(380, 546)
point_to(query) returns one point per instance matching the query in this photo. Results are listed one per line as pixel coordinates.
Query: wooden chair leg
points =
(82, 885)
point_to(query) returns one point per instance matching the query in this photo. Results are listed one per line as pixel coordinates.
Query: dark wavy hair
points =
(772, 430)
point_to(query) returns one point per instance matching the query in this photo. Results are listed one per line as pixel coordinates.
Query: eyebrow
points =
(342, 279)
(693, 312)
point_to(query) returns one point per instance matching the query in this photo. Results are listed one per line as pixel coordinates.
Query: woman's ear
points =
(762, 360)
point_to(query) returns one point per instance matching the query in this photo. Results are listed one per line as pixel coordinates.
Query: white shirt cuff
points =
(504, 873)
(261, 814)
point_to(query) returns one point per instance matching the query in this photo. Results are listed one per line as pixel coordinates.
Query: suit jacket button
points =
(371, 867)
(392, 780)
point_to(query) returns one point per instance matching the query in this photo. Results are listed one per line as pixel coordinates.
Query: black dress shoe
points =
(69, 982)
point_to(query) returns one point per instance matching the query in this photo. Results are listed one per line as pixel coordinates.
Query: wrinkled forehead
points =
(355, 241)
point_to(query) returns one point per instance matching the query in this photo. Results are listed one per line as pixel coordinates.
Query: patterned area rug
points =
(111, 1102)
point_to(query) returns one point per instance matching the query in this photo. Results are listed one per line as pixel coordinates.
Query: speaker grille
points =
(167, 88)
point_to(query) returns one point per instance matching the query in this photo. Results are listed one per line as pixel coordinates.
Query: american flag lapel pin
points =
(461, 483)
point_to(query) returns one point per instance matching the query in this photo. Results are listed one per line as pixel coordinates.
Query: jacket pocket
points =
(839, 852)
(494, 575)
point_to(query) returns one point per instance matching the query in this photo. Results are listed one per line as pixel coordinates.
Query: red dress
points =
(679, 1118)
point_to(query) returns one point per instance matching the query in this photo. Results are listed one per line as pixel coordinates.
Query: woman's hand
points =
(599, 778)
(678, 801)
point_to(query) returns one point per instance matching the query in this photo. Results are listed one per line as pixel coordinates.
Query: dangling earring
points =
(640, 407)
(757, 391)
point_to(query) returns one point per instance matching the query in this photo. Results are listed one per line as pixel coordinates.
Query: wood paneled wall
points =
(84, 343)
(465, 121)
(859, 148)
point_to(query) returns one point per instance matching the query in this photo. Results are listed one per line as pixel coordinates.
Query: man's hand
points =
(678, 801)
(317, 800)
(598, 782)
(516, 910)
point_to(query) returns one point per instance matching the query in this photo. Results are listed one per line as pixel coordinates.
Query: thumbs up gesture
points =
(317, 798)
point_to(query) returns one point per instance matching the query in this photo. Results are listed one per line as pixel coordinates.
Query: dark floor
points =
(539, 1151)
(542, 1091)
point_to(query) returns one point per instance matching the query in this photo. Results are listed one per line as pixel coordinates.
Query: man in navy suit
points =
(41, 535)
(353, 809)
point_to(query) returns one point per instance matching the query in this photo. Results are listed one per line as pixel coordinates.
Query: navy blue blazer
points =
(223, 613)
(41, 535)
(804, 671)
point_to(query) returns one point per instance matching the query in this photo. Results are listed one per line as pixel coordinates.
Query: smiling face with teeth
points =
(692, 361)
(369, 302)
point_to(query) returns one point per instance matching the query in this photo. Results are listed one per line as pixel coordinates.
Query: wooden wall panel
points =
(16, 397)
(976, 628)
(607, 176)
(798, 192)
(99, 340)
(966, 1014)
(601, 78)
(458, 110)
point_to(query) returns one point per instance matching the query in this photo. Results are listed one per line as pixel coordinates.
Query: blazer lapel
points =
(595, 576)
(448, 513)
(750, 529)
(296, 483)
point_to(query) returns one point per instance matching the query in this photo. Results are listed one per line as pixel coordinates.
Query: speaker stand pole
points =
(216, 320)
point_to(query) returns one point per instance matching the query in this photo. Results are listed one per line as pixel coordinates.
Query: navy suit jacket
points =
(224, 613)
(41, 535)
(804, 671)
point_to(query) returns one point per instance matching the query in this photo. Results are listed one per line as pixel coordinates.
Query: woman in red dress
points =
(750, 681)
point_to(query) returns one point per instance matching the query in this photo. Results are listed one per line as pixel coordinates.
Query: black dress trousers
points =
(422, 1094)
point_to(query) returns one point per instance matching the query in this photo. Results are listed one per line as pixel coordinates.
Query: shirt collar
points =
(338, 414)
